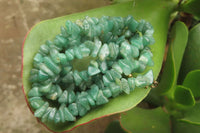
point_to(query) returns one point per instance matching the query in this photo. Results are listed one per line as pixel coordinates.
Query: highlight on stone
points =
(89, 62)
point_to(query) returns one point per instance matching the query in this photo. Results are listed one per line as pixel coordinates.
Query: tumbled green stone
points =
(114, 50)
(133, 24)
(81, 110)
(77, 53)
(141, 25)
(125, 49)
(117, 68)
(40, 111)
(101, 99)
(57, 118)
(60, 41)
(52, 115)
(109, 76)
(107, 92)
(42, 76)
(56, 79)
(69, 54)
(64, 31)
(96, 47)
(128, 34)
(36, 102)
(71, 97)
(141, 67)
(93, 71)
(89, 44)
(72, 28)
(51, 65)
(38, 58)
(131, 82)
(145, 58)
(84, 75)
(90, 100)
(134, 64)
(82, 86)
(73, 109)
(66, 70)
(115, 89)
(58, 90)
(77, 78)
(46, 114)
(120, 40)
(33, 78)
(54, 55)
(68, 78)
(94, 63)
(106, 37)
(44, 49)
(51, 45)
(93, 91)
(84, 102)
(125, 66)
(34, 92)
(103, 66)
(46, 88)
(99, 83)
(144, 80)
(68, 116)
(125, 86)
(52, 94)
(71, 87)
(84, 51)
(63, 58)
(106, 80)
(61, 113)
(104, 52)
(137, 41)
(64, 97)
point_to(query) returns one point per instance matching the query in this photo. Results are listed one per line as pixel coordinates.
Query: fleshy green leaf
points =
(183, 96)
(140, 120)
(191, 6)
(192, 116)
(192, 81)
(115, 127)
(191, 56)
(178, 41)
(155, 13)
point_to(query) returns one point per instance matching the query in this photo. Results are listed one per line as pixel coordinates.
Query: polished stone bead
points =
(77, 77)
(64, 97)
(109, 76)
(125, 86)
(45, 69)
(69, 54)
(134, 64)
(42, 76)
(120, 40)
(117, 68)
(33, 78)
(64, 31)
(93, 71)
(61, 113)
(54, 55)
(36, 102)
(84, 101)
(72, 28)
(145, 58)
(46, 88)
(131, 82)
(106, 37)
(141, 67)
(144, 80)
(57, 118)
(114, 50)
(101, 99)
(40, 111)
(106, 92)
(125, 49)
(132, 25)
(73, 109)
(34, 92)
(90, 45)
(141, 25)
(81, 110)
(44, 49)
(125, 66)
(90, 100)
(84, 75)
(106, 81)
(51, 65)
(71, 97)
(60, 41)
(84, 50)
(104, 52)
(52, 94)
(66, 70)
(135, 51)
(93, 91)
(77, 53)
(103, 66)
(115, 74)
(96, 47)
(68, 116)
(94, 63)
(115, 89)
(99, 83)
(51, 45)
(46, 114)
(38, 58)
(68, 78)
(63, 58)
(128, 34)
(52, 115)
(137, 41)
(83, 86)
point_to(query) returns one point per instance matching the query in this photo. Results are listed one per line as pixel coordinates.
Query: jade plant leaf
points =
(157, 14)
(178, 41)
(183, 96)
(140, 120)
(192, 81)
(115, 127)
(191, 6)
(191, 56)
(192, 116)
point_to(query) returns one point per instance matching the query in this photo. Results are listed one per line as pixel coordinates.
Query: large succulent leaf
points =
(191, 56)
(115, 127)
(140, 120)
(157, 14)
(178, 41)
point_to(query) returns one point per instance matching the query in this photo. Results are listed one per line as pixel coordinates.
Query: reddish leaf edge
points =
(26, 99)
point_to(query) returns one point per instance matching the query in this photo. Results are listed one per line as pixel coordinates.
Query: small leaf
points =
(183, 96)
(191, 6)
(191, 56)
(115, 127)
(178, 41)
(192, 81)
(192, 116)
(140, 120)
